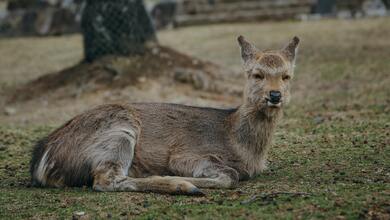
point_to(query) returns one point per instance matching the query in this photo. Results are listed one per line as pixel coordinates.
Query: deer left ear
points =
(291, 49)
(248, 50)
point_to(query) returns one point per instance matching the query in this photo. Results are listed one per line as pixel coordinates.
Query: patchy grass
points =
(343, 165)
(333, 142)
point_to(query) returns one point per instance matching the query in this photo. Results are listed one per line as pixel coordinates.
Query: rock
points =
(155, 51)
(319, 120)
(9, 111)
(78, 215)
(197, 78)
(195, 62)
(142, 79)
(2, 147)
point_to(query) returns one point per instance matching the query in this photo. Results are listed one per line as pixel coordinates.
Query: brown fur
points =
(171, 148)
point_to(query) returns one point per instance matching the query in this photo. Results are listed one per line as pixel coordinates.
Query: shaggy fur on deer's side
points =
(172, 148)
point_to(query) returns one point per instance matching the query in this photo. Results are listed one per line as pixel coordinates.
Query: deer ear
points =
(291, 49)
(248, 50)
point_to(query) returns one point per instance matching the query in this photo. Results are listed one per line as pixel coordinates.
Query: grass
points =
(333, 142)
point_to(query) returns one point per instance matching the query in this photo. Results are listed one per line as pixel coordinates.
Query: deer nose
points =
(275, 97)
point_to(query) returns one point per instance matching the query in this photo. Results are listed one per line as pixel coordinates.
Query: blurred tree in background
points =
(116, 27)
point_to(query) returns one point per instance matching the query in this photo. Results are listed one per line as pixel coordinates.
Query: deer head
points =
(268, 73)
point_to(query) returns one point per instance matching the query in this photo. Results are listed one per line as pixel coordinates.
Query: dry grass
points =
(24, 59)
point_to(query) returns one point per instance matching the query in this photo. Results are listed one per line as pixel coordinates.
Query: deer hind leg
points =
(113, 155)
(206, 172)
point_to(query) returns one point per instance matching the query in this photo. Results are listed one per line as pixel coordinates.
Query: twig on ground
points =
(265, 196)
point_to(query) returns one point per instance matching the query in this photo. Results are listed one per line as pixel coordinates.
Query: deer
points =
(172, 148)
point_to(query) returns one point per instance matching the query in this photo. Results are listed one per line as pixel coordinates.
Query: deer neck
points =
(252, 132)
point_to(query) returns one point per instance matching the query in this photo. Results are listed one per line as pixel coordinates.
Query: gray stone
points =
(197, 78)
(2, 147)
(9, 111)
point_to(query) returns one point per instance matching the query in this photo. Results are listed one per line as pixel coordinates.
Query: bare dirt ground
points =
(333, 142)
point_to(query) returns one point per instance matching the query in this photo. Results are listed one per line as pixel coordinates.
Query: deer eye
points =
(286, 77)
(258, 76)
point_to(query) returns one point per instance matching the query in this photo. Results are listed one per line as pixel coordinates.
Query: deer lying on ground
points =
(170, 148)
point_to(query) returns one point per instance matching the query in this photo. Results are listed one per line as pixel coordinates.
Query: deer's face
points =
(268, 75)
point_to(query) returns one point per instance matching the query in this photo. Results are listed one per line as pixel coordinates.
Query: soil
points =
(113, 72)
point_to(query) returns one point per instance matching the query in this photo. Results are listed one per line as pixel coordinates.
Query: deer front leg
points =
(205, 172)
(109, 177)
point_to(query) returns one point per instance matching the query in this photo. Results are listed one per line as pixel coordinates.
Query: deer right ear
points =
(291, 49)
(248, 50)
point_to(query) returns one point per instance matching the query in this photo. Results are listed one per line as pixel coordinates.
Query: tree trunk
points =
(387, 4)
(116, 27)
